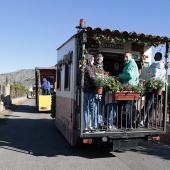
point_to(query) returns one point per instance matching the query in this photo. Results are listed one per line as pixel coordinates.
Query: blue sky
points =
(32, 30)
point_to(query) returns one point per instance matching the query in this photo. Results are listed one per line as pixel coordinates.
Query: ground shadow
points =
(38, 136)
(22, 108)
(41, 138)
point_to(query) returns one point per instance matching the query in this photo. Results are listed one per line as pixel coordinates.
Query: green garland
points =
(125, 38)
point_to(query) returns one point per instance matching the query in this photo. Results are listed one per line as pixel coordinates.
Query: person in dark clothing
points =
(89, 95)
(99, 68)
(112, 114)
(116, 69)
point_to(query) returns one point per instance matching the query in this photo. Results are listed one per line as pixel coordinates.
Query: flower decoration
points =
(101, 80)
(83, 61)
(123, 38)
(106, 73)
(130, 87)
(155, 83)
(114, 85)
(111, 84)
(149, 72)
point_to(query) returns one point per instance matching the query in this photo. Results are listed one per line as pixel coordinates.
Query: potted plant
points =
(123, 91)
(139, 88)
(110, 83)
(155, 83)
(99, 83)
(128, 92)
(115, 86)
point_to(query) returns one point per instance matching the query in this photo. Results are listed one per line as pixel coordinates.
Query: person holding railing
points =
(130, 75)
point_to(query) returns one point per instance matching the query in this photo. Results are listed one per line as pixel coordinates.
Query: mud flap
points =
(125, 144)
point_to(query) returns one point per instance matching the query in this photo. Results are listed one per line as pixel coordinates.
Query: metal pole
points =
(166, 88)
(82, 92)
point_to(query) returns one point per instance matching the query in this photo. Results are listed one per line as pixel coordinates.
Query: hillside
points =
(25, 77)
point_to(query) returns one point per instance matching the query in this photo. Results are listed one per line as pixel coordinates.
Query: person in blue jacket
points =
(46, 87)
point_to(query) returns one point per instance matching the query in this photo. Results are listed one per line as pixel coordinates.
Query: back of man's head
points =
(158, 56)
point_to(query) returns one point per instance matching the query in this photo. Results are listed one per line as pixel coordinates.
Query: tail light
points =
(43, 108)
(89, 141)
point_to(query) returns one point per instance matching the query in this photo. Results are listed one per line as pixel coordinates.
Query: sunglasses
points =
(116, 65)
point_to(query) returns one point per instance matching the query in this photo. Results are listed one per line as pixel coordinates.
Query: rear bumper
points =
(124, 134)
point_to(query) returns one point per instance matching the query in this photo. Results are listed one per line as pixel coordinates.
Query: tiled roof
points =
(155, 38)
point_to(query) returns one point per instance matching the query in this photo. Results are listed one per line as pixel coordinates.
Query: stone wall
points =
(2, 107)
(6, 100)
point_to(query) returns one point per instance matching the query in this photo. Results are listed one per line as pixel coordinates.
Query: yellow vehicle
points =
(43, 102)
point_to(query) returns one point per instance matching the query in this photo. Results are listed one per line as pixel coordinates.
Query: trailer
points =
(43, 102)
(112, 44)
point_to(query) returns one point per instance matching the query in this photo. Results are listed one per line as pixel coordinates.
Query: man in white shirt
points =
(157, 68)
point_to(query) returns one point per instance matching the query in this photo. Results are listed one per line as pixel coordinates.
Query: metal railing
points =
(146, 113)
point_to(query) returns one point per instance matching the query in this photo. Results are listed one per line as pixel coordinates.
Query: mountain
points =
(25, 77)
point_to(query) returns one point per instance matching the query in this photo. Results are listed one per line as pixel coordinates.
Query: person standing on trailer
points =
(130, 75)
(89, 95)
(112, 104)
(99, 70)
(157, 69)
(130, 72)
(115, 69)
